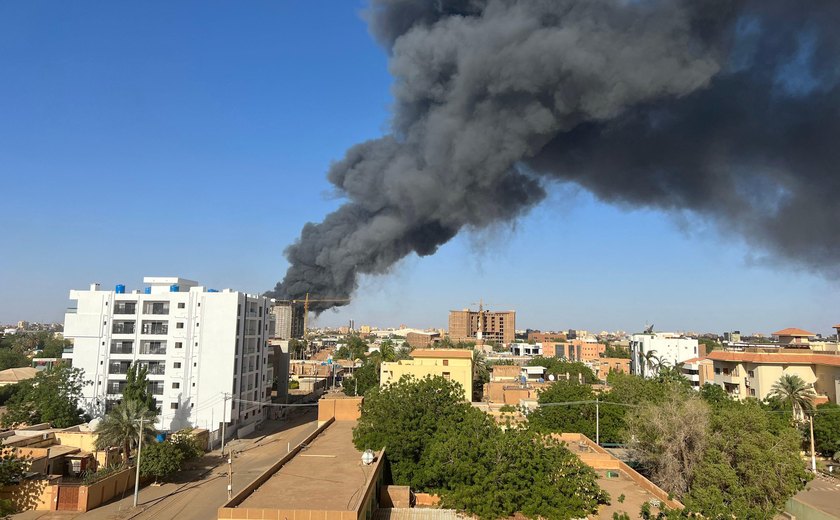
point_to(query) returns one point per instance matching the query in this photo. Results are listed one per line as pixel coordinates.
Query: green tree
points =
(827, 429)
(714, 395)
(137, 387)
(51, 396)
(573, 418)
(13, 359)
(403, 416)
(616, 352)
(121, 426)
(747, 471)
(160, 459)
(12, 470)
(387, 351)
(363, 379)
(477, 467)
(561, 369)
(481, 375)
(793, 390)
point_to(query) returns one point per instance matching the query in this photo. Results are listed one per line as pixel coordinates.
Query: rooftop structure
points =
(13, 376)
(323, 477)
(793, 336)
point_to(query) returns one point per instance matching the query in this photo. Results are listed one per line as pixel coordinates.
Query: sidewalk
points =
(200, 489)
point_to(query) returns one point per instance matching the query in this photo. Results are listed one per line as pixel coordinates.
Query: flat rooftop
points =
(329, 475)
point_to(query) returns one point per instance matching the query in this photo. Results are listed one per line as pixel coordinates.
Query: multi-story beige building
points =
(752, 373)
(465, 325)
(451, 364)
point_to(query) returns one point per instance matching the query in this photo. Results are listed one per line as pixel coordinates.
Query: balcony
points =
(155, 388)
(125, 308)
(159, 308)
(154, 369)
(155, 327)
(67, 350)
(154, 348)
(71, 310)
(123, 327)
(119, 368)
(122, 347)
(115, 387)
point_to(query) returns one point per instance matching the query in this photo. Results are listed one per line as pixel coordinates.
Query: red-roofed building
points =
(794, 336)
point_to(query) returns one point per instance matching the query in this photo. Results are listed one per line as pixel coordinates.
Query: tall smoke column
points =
(725, 108)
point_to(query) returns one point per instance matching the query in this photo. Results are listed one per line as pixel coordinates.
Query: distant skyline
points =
(192, 140)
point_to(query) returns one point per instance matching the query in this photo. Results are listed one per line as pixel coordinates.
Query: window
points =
(179, 344)
(446, 362)
(446, 376)
(179, 325)
(182, 305)
(717, 371)
(750, 373)
(752, 392)
(173, 406)
(176, 385)
(177, 364)
(196, 324)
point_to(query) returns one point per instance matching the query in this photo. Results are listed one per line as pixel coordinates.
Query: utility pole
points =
(813, 453)
(597, 421)
(230, 474)
(137, 463)
(224, 421)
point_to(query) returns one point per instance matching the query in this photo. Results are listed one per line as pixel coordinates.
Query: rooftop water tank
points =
(174, 288)
(120, 288)
(147, 290)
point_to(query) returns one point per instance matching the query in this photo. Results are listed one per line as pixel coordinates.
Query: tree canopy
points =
(51, 396)
(436, 442)
(827, 430)
(137, 387)
(560, 368)
(363, 379)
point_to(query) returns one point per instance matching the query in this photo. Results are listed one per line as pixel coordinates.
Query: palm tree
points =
(652, 360)
(121, 426)
(792, 389)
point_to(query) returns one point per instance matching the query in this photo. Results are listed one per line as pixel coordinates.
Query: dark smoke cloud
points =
(726, 108)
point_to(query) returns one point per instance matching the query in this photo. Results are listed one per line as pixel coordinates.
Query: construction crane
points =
(306, 301)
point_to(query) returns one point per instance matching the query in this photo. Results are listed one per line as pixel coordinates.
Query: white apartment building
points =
(199, 345)
(667, 347)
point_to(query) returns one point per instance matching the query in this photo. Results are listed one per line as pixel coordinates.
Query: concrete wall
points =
(32, 494)
(802, 511)
(344, 409)
(458, 370)
(116, 485)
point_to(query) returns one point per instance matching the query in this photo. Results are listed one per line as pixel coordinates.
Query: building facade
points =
(205, 351)
(499, 327)
(451, 364)
(422, 339)
(288, 320)
(753, 373)
(649, 349)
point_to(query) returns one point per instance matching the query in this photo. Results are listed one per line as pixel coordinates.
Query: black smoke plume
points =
(730, 109)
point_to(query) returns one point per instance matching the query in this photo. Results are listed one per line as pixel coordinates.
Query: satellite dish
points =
(551, 377)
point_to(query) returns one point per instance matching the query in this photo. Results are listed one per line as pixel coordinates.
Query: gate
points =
(68, 498)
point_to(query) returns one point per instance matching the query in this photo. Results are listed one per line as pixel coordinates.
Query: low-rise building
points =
(526, 349)
(753, 372)
(451, 364)
(422, 339)
(649, 349)
(698, 371)
(603, 366)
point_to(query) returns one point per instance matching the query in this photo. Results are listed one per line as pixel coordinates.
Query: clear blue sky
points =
(191, 139)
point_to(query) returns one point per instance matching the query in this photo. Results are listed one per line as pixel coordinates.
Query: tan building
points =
(698, 371)
(421, 339)
(603, 366)
(546, 337)
(499, 327)
(794, 337)
(451, 364)
(579, 350)
(752, 373)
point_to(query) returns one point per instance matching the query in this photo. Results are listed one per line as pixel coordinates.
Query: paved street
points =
(202, 489)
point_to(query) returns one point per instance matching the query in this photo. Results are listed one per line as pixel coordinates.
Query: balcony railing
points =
(125, 308)
(118, 368)
(115, 388)
(156, 308)
(67, 350)
(123, 328)
(155, 389)
(155, 369)
(152, 349)
(156, 328)
(122, 348)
